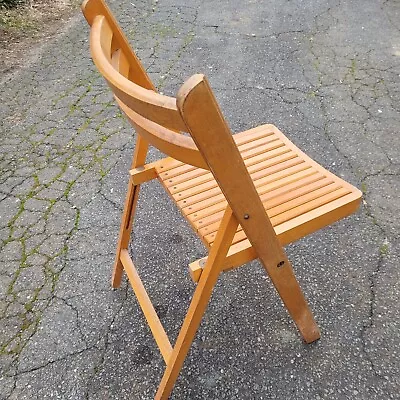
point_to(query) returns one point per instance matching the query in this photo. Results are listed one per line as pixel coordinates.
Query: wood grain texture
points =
(245, 195)
(198, 304)
(292, 187)
(215, 142)
(146, 102)
(93, 8)
(149, 312)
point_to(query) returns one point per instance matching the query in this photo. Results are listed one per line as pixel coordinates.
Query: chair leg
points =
(199, 303)
(139, 158)
(125, 231)
(292, 296)
(189, 328)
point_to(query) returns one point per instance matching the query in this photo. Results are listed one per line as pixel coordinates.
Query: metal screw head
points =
(280, 264)
(246, 216)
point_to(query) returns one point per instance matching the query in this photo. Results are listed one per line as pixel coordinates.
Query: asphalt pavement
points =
(328, 75)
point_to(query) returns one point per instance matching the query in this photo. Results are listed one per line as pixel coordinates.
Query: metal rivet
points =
(280, 264)
(246, 216)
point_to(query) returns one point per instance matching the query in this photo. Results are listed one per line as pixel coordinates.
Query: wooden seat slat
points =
(272, 198)
(300, 196)
(268, 148)
(251, 135)
(208, 233)
(206, 175)
(193, 200)
(280, 212)
(264, 180)
(261, 161)
(203, 204)
(169, 164)
(287, 160)
(187, 185)
(167, 173)
(309, 183)
(256, 143)
(276, 162)
(262, 190)
(241, 250)
(312, 220)
(176, 168)
(177, 176)
(185, 177)
(293, 212)
(170, 167)
(276, 155)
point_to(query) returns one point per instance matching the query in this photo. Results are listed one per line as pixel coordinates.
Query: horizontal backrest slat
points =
(155, 116)
(177, 146)
(149, 104)
(137, 74)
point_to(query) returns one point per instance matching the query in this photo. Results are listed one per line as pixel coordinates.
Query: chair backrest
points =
(160, 118)
(157, 116)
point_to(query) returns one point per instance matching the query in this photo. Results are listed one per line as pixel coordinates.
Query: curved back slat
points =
(156, 115)
(177, 146)
(151, 105)
(91, 9)
(120, 63)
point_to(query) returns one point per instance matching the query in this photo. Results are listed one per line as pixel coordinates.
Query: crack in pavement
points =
(66, 148)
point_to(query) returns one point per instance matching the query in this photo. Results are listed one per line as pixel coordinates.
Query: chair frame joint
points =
(143, 173)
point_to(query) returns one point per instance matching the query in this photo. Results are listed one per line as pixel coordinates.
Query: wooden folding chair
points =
(245, 195)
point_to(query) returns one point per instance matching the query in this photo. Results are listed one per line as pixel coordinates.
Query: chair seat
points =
(298, 194)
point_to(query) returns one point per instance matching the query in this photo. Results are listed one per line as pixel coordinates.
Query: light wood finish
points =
(146, 102)
(198, 304)
(245, 195)
(214, 140)
(143, 174)
(124, 62)
(299, 195)
(93, 8)
(149, 312)
(196, 268)
(167, 141)
(132, 196)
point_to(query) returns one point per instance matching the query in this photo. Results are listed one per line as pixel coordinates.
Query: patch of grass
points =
(353, 68)
(384, 249)
(364, 187)
(17, 21)
(8, 4)
(161, 31)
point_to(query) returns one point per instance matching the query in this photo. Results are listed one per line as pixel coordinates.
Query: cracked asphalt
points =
(328, 75)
